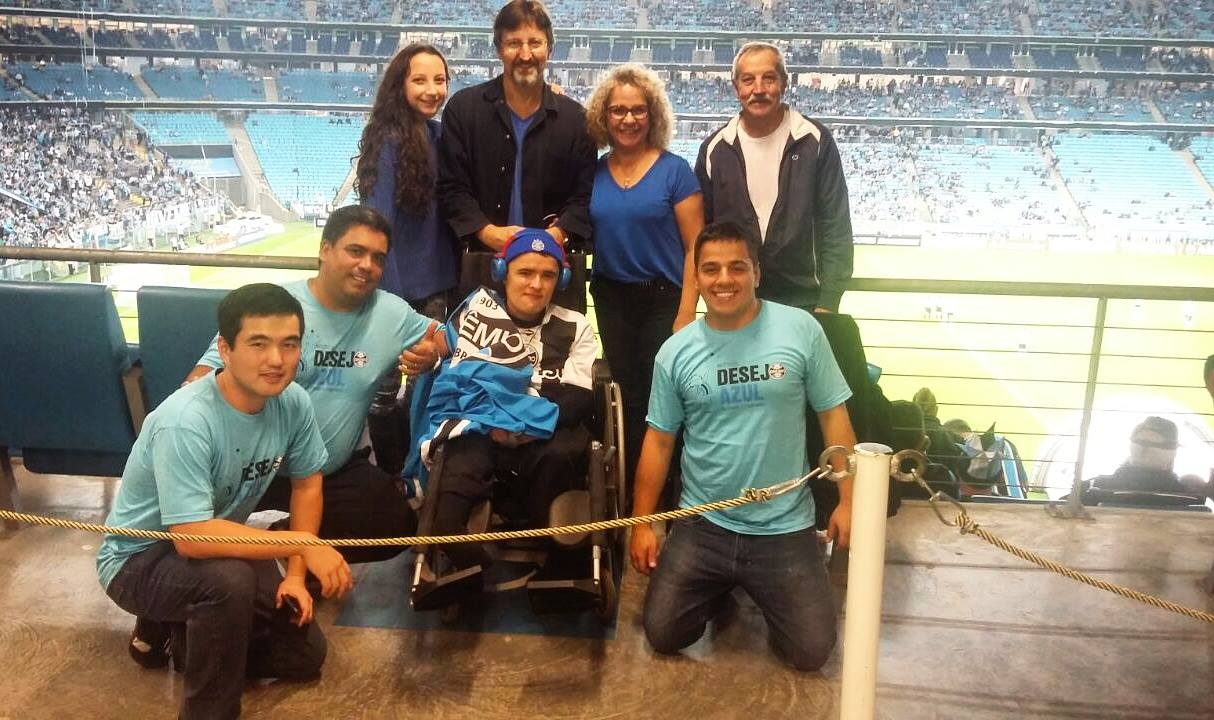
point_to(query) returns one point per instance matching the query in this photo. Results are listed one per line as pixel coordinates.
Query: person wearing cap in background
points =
(1153, 447)
(515, 395)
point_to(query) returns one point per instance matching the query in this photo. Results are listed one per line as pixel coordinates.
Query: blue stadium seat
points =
(176, 325)
(69, 388)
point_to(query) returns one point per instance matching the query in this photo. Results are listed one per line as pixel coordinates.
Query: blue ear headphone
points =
(530, 240)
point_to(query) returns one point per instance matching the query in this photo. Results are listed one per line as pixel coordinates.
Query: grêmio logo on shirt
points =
(339, 358)
(750, 373)
(259, 469)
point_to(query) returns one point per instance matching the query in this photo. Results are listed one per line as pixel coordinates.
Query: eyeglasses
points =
(619, 112)
(534, 45)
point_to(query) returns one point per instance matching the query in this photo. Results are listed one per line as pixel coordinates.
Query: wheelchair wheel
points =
(609, 596)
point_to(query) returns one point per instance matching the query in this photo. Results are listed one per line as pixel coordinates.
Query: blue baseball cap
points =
(532, 240)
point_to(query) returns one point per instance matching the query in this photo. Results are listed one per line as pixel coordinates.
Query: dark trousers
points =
(784, 574)
(360, 500)
(233, 631)
(388, 418)
(535, 474)
(634, 321)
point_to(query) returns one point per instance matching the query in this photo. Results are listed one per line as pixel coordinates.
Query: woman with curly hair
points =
(396, 175)
(646, 209)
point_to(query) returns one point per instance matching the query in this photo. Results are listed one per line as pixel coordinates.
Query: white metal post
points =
(865, 576)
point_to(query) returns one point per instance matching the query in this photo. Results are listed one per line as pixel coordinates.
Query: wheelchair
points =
(591, 563)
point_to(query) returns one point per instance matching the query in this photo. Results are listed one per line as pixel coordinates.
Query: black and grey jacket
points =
(807, 254)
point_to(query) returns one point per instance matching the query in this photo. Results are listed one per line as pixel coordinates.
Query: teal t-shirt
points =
(198, 458)
(344, 356)
(741, 398)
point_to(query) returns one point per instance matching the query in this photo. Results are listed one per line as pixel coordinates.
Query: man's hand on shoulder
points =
(496, 236)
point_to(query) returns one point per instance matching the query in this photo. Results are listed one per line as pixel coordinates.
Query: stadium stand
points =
(1090, 107)
(879, 181)
(277, 9)
(973, 181)
(182, 128)
(954, 101)
(183, 82)
(1126, 181)
(75, 82)
(319, 86)
(72, 170)
(1192, 105)
(356, 10)
(305, 172)
(696, 14)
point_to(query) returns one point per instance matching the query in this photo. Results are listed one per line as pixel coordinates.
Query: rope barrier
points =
(963, 522)
(967, 526)
(751, 495)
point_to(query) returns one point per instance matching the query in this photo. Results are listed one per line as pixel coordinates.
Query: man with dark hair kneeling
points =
(202, 461)
(739, 382)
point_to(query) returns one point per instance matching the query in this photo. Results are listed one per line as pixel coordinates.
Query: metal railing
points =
(1084, 327)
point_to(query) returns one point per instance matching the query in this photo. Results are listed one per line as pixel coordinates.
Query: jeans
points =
(784, 574)
(634, 321)
(232, 629)
(360, 501)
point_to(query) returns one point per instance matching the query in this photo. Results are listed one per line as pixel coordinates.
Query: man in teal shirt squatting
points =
(200, 465)
(739, 383)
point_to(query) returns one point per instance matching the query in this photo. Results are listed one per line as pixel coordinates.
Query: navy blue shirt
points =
(423, 258)
(521, 125)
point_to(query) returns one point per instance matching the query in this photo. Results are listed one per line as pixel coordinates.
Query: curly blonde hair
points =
(661, 116)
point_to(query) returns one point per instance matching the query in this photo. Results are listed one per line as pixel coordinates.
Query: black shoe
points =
(149, 645)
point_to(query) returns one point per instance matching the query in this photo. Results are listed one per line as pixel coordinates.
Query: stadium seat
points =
(70, 389)
(176, 325)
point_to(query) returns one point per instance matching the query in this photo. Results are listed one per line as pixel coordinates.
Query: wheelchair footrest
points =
(562, 596)
(447, 590)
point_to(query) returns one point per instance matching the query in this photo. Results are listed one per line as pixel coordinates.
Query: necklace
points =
(626, 176)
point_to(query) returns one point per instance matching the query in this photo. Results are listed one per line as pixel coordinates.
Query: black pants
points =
(388, 419)
(233, 630)
(360, 501)
(634, 321)
(534, 473)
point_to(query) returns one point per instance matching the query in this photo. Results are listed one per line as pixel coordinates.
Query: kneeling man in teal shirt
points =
(202, 461)
(739, 383)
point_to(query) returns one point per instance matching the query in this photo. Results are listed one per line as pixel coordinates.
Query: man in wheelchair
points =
(510, 407)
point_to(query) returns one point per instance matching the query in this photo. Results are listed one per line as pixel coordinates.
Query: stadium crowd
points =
(61, 168)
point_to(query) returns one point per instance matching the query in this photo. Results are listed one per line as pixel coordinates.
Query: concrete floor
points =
(969, 632)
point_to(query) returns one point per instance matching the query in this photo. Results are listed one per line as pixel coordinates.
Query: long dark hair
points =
(393, 119)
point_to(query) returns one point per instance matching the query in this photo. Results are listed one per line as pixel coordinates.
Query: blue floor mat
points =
(381, 600)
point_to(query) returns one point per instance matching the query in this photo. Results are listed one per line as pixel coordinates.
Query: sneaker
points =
(149, 645)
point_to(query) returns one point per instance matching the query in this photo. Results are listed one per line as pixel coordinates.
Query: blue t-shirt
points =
(521, 125)
(636, 237)
(344, 357)
(198, 458)
(741, 398)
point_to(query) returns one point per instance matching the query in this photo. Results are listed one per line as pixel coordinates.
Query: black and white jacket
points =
(806, 259)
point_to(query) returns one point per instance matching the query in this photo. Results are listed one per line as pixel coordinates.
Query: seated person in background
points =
(941, 448)
(1153, 447)
(909, 434)
(202, 461)
(515, 397)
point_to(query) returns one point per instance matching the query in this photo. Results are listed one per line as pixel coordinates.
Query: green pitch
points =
(1018, 362)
